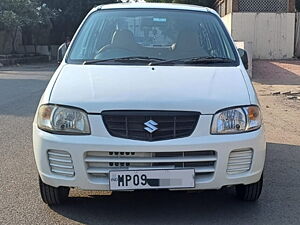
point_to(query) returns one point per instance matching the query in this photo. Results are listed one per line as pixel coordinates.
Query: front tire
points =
(53, 195)
(250, 192)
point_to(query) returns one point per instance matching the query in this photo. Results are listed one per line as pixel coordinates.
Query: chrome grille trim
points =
(151, 160)
(95, 170)
(99, 164)
(60, 160)
(239, 161)
(61, 163)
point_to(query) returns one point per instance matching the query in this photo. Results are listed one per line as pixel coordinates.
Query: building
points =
(266, 28)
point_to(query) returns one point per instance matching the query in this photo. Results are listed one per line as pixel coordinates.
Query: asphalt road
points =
(20, 203)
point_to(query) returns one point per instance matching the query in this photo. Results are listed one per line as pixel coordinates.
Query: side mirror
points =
(244, 57)
(61, 53)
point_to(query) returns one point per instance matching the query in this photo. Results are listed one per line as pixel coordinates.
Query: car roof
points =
(144, 5)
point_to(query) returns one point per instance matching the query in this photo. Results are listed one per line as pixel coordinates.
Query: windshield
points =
(151, 35)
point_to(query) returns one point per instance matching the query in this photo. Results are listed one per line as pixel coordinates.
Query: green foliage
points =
(193, 2)
(23, 14)
(9, 20)
(34, 17)
(70, 15)
(62, 17)
(20, 13)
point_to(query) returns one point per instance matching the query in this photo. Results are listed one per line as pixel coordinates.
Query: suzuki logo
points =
(151, 126)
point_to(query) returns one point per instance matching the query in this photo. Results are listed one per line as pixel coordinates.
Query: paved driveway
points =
(20, 90)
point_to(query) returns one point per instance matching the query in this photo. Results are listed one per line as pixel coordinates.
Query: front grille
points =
(162, 125)
(100, 163)
(239, 161)
(61, 163)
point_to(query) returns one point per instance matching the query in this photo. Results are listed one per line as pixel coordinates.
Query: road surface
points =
(20, 203)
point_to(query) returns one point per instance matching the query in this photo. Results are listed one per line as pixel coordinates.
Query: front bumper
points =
(78, 147)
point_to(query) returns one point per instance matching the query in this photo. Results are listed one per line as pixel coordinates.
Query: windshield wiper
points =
(125, 59)
(195, 60)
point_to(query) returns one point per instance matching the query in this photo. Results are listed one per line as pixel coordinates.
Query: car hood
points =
(95, 88)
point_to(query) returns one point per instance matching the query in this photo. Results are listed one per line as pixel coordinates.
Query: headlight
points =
(63, 120)
(236, 120)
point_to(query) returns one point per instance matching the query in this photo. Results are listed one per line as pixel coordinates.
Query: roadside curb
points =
(10, 61)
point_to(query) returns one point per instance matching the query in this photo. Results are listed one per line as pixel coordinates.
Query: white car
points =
(150, 96)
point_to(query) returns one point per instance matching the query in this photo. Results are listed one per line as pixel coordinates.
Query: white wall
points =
(272, 34)
(227, 20)
(50, 50)
(297, 36)
(246, 45)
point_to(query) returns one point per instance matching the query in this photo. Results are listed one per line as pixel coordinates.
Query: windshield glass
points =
(151, 34)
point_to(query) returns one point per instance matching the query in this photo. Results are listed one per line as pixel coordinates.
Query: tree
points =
(70, 15)
(18, 14)
(10, 22)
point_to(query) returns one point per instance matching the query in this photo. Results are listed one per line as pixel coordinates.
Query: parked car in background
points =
(150, 96)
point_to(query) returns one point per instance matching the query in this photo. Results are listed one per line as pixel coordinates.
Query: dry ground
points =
(280, 113)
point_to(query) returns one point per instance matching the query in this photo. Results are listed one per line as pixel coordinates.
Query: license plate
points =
(151, 179)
